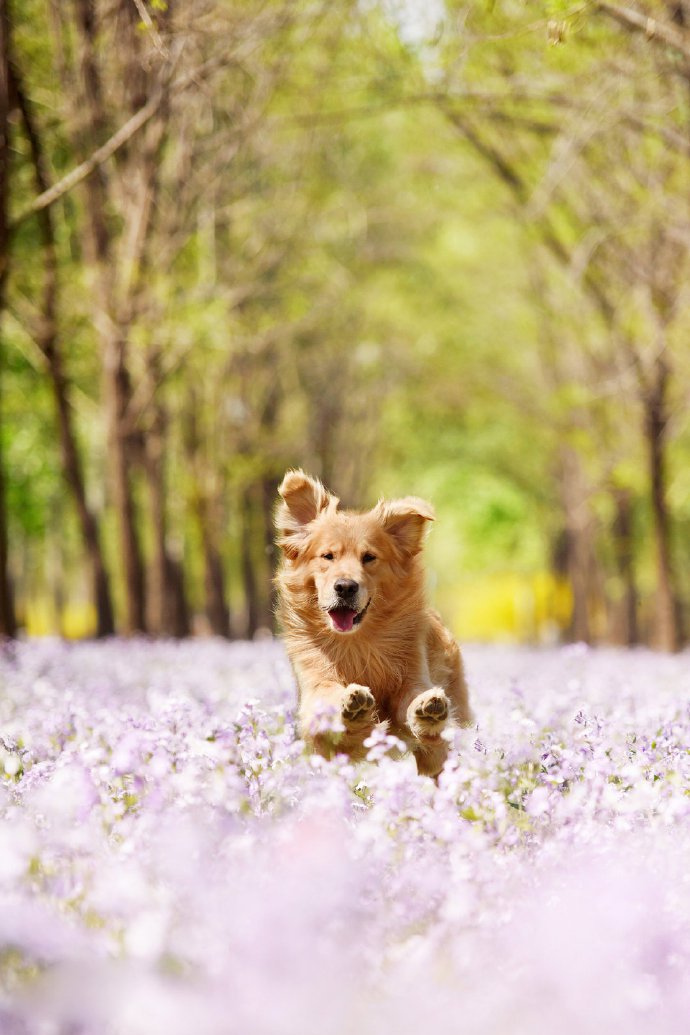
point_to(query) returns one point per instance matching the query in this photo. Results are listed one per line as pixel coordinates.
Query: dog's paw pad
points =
(430, 709)
(435, 709)
(359, 704)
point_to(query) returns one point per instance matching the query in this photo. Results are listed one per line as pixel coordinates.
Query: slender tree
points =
(47, 337)
(7, 617)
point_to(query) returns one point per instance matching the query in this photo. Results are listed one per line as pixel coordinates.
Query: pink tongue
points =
(343, 618)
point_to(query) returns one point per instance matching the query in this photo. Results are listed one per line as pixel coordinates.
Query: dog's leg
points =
(359, 718)
(430, 757)
(357, 711)
(358, 707)
(426, 716)
(426, 712)
(457, 688)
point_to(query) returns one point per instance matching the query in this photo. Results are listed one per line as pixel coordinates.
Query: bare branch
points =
(111, 146)
(148, 22)
(101, 155)
(651, 27)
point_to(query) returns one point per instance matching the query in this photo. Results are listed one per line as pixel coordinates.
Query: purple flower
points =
(171, 859)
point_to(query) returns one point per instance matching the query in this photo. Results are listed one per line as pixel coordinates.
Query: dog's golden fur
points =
(385, 658)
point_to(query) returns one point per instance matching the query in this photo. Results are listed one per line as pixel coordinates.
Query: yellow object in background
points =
(503, 607)
(75, 621)
(508, 607)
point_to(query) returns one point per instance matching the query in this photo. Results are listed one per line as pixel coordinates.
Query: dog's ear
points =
(302, 499)
(405, 521)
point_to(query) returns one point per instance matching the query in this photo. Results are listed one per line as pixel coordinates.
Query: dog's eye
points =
(368, 558)
(327, 556)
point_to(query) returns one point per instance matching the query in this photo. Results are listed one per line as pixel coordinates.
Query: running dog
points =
(357, 628)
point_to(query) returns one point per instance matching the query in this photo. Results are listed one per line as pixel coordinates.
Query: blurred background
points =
(413, 247)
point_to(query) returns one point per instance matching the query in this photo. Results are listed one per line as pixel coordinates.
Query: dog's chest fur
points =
(385, 662)
(383, 671)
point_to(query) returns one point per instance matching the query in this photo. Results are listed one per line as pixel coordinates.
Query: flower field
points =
(173, 863)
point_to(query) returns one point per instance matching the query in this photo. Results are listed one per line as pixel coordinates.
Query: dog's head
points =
(348, 563)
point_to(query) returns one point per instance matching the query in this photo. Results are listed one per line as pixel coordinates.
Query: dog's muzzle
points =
(344, 617)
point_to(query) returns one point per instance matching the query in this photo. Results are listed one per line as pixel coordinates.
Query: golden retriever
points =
(357, 629)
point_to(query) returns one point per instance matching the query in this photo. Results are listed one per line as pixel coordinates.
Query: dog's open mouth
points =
(344, 619)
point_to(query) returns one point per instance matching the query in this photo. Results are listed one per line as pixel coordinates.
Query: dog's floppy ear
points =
(303, 499)
(405, 520)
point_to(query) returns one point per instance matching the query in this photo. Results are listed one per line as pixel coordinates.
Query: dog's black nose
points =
(346, 587)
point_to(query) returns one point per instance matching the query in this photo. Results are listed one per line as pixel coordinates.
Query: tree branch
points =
(111, 146)
(651, 27)
(509, 173)
(101, 155)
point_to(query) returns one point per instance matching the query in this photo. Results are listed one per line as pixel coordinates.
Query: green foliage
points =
(409, 260)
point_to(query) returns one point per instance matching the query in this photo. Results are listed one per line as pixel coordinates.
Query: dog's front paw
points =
(428, 713)
(359, 706)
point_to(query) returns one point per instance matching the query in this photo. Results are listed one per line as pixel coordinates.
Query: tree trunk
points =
(217, 611)
(249, 573)
(116, 274)
(47, 340)
(203, 509)
(159, 598)
(269, 495)
(667, 624)
(168, 614)
(8, 622)
(577, 553)
(625, 626)
(73, 474)
(181, 624)
(8, 626)
(117, 394)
